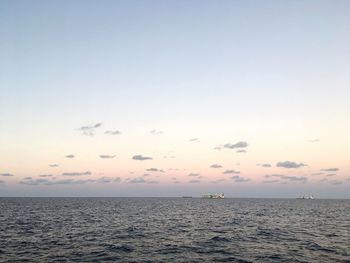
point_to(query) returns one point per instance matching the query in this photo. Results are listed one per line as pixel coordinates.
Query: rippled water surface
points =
(173, 230)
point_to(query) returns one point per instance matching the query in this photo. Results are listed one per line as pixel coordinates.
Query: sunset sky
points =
(172, 98)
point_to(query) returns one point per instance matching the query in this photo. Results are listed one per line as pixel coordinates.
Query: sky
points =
(172, 98)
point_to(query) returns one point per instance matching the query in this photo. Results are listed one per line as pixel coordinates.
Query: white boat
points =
(310, 197)
(214, 196)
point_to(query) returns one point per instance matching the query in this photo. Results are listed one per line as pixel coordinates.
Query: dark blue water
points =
(173, 230)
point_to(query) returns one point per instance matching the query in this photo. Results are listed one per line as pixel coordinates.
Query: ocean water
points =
(173, 230)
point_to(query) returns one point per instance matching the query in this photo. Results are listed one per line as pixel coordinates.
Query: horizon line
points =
(180, 197)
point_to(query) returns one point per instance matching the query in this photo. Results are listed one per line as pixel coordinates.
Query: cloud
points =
(155, 170)
(296, 178)
(88, 133)
(89, 130)
(77, 174)
(314, 140)
(141, 180)
(288, 177)
(271, 181)
(6, 174)
(316, 173)
(265, 165)
(104, 180)
(194, 181)
(139, 157)
(156, 132)
(117, 180)
(34, 182)
(231, 172)
(105, 156)
(193, 140)
(71, 181)
(242, 180)
(2, 181)
(288, 164)
(45, 175)
(193, 174)
(330, 170)
(152, 182)
(70, 156)
(241, 151)
(215, 166)
(40, 181)
(273, 175)
(54, 165)
(239, 179)
(115, 132)
(240, 144)
(330, 175)
(218, 148)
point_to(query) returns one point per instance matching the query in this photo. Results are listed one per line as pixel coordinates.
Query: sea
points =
(174, 230)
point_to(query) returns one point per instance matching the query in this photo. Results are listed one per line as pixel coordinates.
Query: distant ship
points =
(187, 196)
(306, 197)
(214, 196)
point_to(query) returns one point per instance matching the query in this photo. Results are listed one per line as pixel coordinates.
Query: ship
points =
(214, 196)
(310, 197)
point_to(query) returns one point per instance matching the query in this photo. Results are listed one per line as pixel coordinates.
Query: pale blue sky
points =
(245, 66)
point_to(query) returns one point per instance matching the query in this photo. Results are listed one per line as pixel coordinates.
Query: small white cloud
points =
(231, 171)
(240, 144)
(240, 179)
(156, 132)
(90, 129)
(314, 140)
(140, 157)
(115, 132)
(289, 164)
(330, 170)
(105, 156)
(155, 170)
(45, 175)
(77, 173)
(216, 166)
(6, 174)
